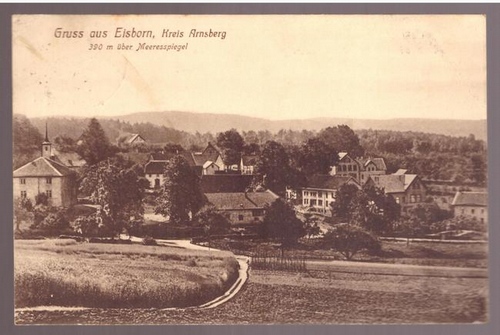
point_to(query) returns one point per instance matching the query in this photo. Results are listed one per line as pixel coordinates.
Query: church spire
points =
(46, 145)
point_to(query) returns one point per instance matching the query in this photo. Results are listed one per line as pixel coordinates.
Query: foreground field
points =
(315, 297)
(67, 273)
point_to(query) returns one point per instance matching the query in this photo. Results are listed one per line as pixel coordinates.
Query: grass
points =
(67, 273)
(315, 297)
(417, 253)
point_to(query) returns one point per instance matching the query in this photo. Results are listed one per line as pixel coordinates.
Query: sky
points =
(274, 67)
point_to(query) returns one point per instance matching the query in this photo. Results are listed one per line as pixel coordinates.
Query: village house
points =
(406, 189)
(321, 190)
(131, 140)
(359, 169)
(207, 162)
(48, 175)
(243, 208)
(472, 205)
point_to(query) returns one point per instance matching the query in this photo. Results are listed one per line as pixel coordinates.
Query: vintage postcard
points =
(250, 169)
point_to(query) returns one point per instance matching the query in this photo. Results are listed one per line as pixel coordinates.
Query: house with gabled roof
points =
(472, 205)
(131, 139)
(321, 190)
(408, 190)
(243, 208)
(358, 168)
(48, 175)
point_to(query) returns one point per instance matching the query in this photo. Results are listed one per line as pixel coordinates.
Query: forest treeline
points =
(432, 156)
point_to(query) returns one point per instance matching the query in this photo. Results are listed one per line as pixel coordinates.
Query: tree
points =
(349, 239)
(317, 157)
(369, 207)
(65, 143)
(274, 165)
(94, 146)
(231, 143)
(26, 140)
(212, 221)
(342, 138)
(180, 196)
(173, 148)
(281, 223)
(115, 186)
(23, 211)
(311, 225)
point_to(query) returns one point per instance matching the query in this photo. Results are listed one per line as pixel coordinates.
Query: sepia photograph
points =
(250, 169)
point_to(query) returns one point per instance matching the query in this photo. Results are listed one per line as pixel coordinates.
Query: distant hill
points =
(179, 122)
(196, 122)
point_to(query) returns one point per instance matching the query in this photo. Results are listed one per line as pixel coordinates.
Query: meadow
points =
(60, 272)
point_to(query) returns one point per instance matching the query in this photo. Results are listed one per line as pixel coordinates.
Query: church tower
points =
(46, 145)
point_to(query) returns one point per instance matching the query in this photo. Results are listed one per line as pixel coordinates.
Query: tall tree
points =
(369, 207)
(180, 196)
(94, 145)
(114, 185)
(317, 157)
(274, 165)
(26, 140)
(281, 223)
(231, 143)
(212, 221)
(342, 138)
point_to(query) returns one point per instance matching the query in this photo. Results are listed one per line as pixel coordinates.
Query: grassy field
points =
(416, 253)
(67, 273)
(315, 297)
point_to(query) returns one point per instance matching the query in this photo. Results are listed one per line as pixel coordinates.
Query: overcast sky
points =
(275, 67)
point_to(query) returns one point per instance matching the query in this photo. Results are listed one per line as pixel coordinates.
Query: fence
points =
(270, 261)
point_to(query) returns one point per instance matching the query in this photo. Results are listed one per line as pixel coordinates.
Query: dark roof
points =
(249, 160)
(154, 167)
(69, 159)
(43, 167)
(392, 183)
(241, 200)
(200, 159)
(470, 199)
(225, 183)
(328, 182)
(161, 156)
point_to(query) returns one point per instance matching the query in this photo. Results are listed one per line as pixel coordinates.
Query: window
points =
(320, 202)
(482, 211)
(320, 194)
(472, 211)
(23, 180)
(350, 167)
(48, 180)
(23, 194)
(397, 200)
(412, 198)
(240, 217)
(257, 212)
(419, 198)
(49, 194)
(306, 201)
(404, 200)
(355, 168)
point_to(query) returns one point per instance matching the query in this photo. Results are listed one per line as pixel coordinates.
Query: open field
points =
(67, 273)
(416, 253)
(315, 297)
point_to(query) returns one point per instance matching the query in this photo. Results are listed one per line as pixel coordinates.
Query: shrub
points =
(350, 239)
(147, 240)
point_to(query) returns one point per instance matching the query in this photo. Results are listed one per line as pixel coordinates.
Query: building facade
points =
(48, 176)
(472, 205)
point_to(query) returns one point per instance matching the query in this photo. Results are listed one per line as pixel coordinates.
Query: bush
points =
(350, 239)
(149, 241)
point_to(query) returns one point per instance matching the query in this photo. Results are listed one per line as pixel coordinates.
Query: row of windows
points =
(349, 167)
(24, 194)
(315, 202)
(472, 211)
(318, 194)
(48, 180)
(413, 198)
